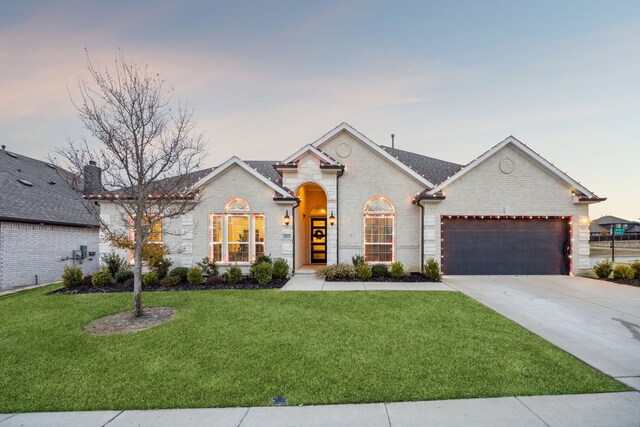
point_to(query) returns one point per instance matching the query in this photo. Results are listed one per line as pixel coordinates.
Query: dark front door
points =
(318, 240)
(505, 246)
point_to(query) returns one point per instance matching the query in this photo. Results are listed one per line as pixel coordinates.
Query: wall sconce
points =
(332, 219)
(287, 218)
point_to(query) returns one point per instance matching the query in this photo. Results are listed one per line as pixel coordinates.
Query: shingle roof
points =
(42, 202)
(434, 170)
(610, 219)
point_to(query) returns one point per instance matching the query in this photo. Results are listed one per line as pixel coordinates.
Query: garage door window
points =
(379, 230)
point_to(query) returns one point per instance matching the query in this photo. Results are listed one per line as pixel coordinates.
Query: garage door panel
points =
(504, 246)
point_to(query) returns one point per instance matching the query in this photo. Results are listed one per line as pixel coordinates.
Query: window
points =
(215, 237)
(379, 228)
(236, 235)
(154, 236)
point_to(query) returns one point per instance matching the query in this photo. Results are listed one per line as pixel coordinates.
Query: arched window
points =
(236, 236)
(379, 230)
(237, 205)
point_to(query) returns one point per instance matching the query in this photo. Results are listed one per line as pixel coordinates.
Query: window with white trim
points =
(379, 230)
(237, 235)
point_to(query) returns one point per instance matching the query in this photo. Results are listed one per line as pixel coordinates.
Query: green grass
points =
(240, 348)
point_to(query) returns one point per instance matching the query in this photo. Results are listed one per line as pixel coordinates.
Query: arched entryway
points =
(311, 225)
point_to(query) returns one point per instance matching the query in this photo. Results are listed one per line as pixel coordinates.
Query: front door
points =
(318, 240)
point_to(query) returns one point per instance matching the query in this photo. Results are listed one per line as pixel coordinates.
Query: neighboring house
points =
(507, 212)
(42, 222)
(601, 227)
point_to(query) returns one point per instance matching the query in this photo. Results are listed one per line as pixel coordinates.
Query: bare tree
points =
(146, 149)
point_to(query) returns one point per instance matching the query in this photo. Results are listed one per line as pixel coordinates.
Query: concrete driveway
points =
(598, 322)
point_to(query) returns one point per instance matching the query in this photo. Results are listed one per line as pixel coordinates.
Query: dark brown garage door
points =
(505, 246)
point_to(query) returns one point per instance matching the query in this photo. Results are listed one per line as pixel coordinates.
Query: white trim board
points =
(310, 148)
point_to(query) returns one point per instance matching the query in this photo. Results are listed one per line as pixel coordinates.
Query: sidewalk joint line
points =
(116, 416)
(530, 410)
(244, 416)
(386, 409)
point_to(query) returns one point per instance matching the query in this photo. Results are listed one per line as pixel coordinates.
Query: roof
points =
(50, 200)
(433, 169)
(610, 219)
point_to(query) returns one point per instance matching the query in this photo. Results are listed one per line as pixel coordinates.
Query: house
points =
(44, 225)
(509, 211)
(601, 228)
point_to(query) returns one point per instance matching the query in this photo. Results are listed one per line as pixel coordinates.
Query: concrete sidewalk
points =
(619, 409)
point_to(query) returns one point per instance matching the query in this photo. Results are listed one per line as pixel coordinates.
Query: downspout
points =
(421, 236)
(338, 209)
(293, 236)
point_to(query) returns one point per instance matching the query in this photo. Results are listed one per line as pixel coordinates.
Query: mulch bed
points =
(127, 322)
(409, 278)
(119, 287)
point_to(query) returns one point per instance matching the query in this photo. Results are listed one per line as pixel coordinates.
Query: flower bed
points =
(246, 283)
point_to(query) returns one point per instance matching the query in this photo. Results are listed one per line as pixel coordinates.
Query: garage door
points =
(505, 246)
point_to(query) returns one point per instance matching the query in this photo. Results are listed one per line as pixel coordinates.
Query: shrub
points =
(208, 267)
(160, 265)
(636, 266)
(102, 278)
(397, 270)
(432, 269)
(170, 281)
(380, 270)
(338, 272)
(114, 263)
(123, 275)
(259, 260)
(214, 281)
(623, 271)
(128, 283)
(357, 260)
(263, 272)
(87, 280)
(603, 269)
(280, 268)
(194, 276)
(234, 275)
(150, 279)
(363, 272)
(180, 272)
(72, 276)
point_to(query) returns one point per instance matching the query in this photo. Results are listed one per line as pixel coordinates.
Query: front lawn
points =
(241, 348)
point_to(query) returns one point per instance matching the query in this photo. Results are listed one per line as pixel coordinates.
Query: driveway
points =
(598, 322)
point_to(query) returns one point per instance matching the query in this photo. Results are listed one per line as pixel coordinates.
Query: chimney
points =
(92, 178)
(393, 137)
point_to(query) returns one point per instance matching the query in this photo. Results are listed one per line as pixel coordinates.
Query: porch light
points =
(332, 219)
(287, 218)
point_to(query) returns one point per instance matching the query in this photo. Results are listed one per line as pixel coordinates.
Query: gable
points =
(510, 180)
(342, 150)
(531, 156)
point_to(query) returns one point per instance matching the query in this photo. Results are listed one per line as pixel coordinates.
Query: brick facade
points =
(30, 250)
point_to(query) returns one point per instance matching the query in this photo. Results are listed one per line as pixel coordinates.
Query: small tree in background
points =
(146, 149)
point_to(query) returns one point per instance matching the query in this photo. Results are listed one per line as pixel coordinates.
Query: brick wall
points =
(528, 190)
(27, 250)
(368, 174)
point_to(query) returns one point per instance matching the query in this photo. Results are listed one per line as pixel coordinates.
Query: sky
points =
(449, 78)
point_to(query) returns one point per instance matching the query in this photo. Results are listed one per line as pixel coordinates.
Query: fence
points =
(618, 238)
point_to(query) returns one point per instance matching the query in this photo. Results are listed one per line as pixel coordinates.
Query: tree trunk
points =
(137, 276)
